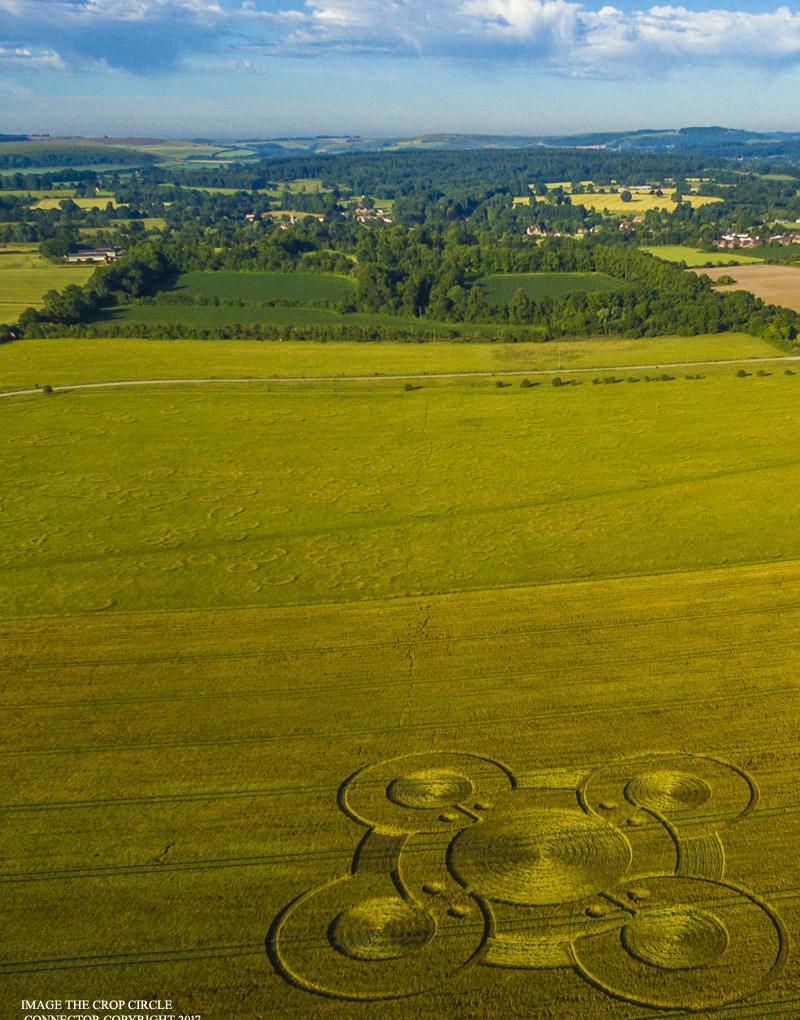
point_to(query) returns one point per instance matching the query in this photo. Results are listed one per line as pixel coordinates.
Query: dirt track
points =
(389, 378)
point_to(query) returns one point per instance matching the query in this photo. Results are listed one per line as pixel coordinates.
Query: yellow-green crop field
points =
(97, 202)
(58, 193)
(25, 277)
(333, 700)
(638, 204)
(694, 258)
(63, 362)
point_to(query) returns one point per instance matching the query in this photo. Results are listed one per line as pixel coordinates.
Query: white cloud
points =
(565, 36)
(559, 36)
(20, 58)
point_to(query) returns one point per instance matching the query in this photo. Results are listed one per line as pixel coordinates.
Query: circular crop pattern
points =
(358, 939)
(431, 788)
(693, 943)
(382, 929)
(539, 857)
(693, 793)
(428, 792)
(677, 939)
(665, 791)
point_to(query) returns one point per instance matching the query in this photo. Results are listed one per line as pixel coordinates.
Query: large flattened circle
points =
(428, 792)
(539, 857)
(694, 943)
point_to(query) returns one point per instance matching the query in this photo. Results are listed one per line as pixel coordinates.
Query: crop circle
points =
(539, 857)
(665, 791)
(676, 939)
(431, 788)
(382, 929)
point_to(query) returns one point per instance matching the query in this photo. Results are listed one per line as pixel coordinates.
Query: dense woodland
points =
(448, 219)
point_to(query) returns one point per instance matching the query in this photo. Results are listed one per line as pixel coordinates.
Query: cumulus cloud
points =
(562, 36)
(134, 35)
(565, 36)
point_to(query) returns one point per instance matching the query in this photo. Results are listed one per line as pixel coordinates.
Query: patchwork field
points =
(336, 700)
(779, 285)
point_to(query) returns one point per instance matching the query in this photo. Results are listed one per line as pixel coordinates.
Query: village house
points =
(363, 213)
(785, 239)
(736, 241)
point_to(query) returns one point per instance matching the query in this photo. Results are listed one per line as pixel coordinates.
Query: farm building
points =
(94, 255)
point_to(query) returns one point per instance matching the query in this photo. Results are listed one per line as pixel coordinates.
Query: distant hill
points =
(716, 142)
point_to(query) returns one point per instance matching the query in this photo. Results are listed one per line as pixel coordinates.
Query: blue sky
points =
(238, 68)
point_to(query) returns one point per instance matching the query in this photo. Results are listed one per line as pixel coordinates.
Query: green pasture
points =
(694, 258)
(25, 277)
(17, 247)
(60, 362)
(213, 191)
(148, 222)
(301, 185)
(98, 202)
(212, 317)
(305, 287)
(178, 150)
(99, 167)
(245, 623)
(500, 288)
(40, 194)
(235, 153)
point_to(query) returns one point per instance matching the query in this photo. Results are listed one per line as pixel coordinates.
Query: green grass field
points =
(61, 362)
(25, 277)
(98, 202)
(34, 194)
(501, 288)
(266, 286)
(211, 317)
(694, 258)
(99, 167)
(336, 700)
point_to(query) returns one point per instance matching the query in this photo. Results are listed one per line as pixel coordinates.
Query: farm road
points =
(405, 377)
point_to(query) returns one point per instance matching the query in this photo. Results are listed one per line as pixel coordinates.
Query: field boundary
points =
(379, 377)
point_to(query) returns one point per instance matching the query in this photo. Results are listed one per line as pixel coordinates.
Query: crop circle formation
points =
(539, 857)
(457, 853)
